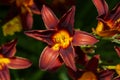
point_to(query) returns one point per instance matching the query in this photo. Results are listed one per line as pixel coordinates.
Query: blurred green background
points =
(85, 19)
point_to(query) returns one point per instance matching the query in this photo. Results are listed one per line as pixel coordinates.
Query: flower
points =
(116, 68)
(90, 71)
(108, 21)
(20, 16)
(8, 60)
(60, 37)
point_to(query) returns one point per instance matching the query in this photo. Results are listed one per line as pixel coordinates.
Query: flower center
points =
(88, 76)
(61, 39)
(3, 61)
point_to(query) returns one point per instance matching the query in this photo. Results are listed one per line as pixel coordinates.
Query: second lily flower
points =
(60, 37)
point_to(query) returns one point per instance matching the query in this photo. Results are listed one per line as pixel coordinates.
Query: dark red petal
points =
(4, 74)
(81, 58)
(101, 6)
(117, 78)
(117, 49)
(58, 62)
(67, 21)
(42, 35)
(19, 63)
(27, 20)
(83, 38)
(48, 58)
(49, 18)
(106, 75)
(115, 13)
(75, 75)
(34, 9)
(93, 64)
(68, 56)
(9, 49)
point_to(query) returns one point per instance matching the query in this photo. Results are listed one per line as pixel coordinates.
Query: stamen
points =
(62, 39)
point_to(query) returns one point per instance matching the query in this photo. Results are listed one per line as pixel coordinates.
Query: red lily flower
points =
(8, 60)
(20, 16)
(108, 21)
(60, 37)
(90, 71)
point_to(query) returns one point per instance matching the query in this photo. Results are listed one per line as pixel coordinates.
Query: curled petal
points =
(108, 33)
(101, 6)
(75, 75)
(68, 56)
(83, 38)
(81, 58)
(34, 9)
(42, 35)
(117, 78)
(67, 21)
(115, 13)
(93, 63)
(48, 59)
(19, 63)
(9, 49)
(106, 75)
(27, 20)
(49, 18)
(58, 62)
(4, 74)
(117, 49)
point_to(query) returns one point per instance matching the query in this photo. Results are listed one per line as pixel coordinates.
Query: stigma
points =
(61, 39)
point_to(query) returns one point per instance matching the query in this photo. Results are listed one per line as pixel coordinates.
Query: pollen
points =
(88, 76)
(61, 39)
(3, 61)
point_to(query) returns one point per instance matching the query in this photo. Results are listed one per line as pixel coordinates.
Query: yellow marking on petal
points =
(3, 61)
(88, 76)
(118, 69)
(61, 39)
(12, 26)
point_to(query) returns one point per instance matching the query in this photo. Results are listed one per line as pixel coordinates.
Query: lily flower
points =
(20, 16)
(108, 21)
(8, 60)
(60, 37)
(90, 71)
